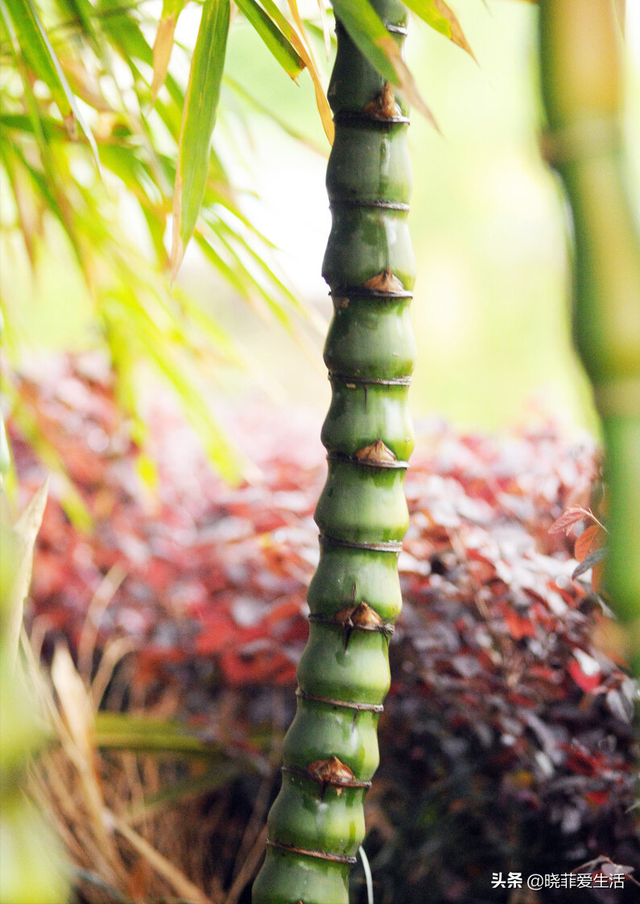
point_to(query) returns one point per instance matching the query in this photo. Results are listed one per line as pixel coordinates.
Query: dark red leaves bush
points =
(507, 739)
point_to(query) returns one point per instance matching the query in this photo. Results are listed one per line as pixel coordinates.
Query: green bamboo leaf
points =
(272, 114)
(123, 731)
(82, 13)
(163, 44)
(41, 57)
(367, 31)
(440, 16)
(201, 104)
(273, 36)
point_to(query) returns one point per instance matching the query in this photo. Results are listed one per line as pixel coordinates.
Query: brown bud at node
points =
(384, 282)
(376, 452)
(384, 106)
(330, 772)
(361, 616)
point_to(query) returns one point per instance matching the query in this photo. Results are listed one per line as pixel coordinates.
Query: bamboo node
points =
(331, 772)
(321, 855)
(384, 282)
(360, 616)
(384, 106)
(345, 704)
(376, 452)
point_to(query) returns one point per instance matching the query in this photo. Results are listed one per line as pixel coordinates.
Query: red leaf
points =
(567, 519)
(589, 539)
(218, 632)
(518, 626)
(587, 680)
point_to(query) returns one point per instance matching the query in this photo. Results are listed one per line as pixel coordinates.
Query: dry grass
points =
(136, 826)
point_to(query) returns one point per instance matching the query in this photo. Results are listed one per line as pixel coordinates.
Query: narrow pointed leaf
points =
(123, 731)
(24, 533)
(41, 57)
(302, 44)
(198, 120)
(274, 38)
(367, 31)
(83, 13)
(163, 44)
(273, 115)
(438, 15)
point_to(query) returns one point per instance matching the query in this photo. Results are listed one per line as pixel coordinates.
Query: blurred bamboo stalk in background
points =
(582, 88)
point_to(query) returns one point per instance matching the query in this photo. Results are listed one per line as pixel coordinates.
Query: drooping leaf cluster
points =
(106, 143)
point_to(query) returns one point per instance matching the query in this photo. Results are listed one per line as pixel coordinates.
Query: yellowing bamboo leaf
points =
(273, 34)
(367, 30)
(304, 48)
(163, 44)
(198, 120)
(23, 539)
(438, 15)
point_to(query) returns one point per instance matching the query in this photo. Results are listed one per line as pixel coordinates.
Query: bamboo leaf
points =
(163, 44)
(201, 104)
(367, 31)
(82, 12)
(326, 33)
(273, 36)
(40, 55)
(304, 48)
(267, 110)
(24, 533)
(123, 731)
(440, 16)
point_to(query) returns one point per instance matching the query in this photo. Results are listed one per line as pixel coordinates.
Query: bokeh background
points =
(491, 305)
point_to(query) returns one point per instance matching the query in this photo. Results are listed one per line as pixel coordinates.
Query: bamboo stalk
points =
(580, 64)
(316, 824)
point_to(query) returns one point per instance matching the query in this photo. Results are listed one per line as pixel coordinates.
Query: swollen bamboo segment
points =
(316, 824)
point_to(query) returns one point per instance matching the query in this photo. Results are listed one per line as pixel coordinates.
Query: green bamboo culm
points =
(316, 824)
(580, 62)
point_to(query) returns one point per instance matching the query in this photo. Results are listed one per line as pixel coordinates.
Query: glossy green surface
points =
(288, 878)
(320, 730)
(363, 505)
(312, 819)
(356, 671)
(361, 413)
(364, 241)
(369, 166)
(346, 577)
(371, 337)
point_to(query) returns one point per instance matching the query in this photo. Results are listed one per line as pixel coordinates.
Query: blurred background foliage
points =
(86, 251)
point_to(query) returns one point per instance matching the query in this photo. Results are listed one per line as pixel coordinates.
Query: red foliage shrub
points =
(507, 741)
